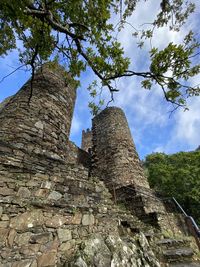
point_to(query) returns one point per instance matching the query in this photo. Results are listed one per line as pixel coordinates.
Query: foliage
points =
(81, 32)
(178, 176)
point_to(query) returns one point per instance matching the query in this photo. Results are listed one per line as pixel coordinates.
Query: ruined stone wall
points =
(51, 212)
(86, 142)
(115, 159)
(48, 205)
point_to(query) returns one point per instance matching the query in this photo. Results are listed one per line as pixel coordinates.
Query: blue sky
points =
(148, 114)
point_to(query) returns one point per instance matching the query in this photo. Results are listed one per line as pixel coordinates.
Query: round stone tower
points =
(115, 159)
(40, 121)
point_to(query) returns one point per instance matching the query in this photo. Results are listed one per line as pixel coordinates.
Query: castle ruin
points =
(62, 206)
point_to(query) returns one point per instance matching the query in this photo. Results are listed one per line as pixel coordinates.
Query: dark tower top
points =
(86, 142)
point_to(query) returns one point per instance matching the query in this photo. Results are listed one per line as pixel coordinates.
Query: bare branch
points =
(18, 68)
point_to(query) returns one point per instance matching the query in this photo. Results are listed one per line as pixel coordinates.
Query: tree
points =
(81, 32)
(178, 176)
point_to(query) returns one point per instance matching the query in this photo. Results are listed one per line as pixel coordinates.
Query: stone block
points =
(47, 259)
(22, 239)
(67, 245)
(41, 192)
(64, 234)
(23, 192)
(30, 249)
(46, 184)
(5, 217)
(54, 195)
(76, 219)
(4, 191)
(4, 224)
(56, 221)
(3, 236)
(88, 219)
(41, 238)
(11, 237)
(27, 220)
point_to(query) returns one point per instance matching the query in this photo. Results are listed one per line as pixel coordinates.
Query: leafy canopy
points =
(178, 176)
(81, 34)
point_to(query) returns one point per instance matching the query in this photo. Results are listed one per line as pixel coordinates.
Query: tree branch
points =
(50, 19)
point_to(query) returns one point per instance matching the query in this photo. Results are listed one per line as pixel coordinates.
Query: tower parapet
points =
(86, 142)
(115, 159)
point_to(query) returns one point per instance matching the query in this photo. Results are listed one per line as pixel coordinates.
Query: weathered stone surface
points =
(11, 237)
(46, 184)
(34, 264)
(6, 191)
(55, 195)
(29, 249)
(67, 245)
(176, 253)
(3, 235)
(27, 220)
(22, 263)
(4, 217)
(39, 125)
(1, 211)
(41, 238)
(47, 259)
(187, 264)
(56, 221)
(4, 224)
(113, 251)
(51, 246)
(42, 192)
(88, 219)
(76, 219)
(64, 234)
(22, 239)
(79, 262)
(23, 192)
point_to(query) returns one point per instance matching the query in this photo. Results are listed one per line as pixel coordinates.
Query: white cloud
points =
(148, 109)
(186, 129)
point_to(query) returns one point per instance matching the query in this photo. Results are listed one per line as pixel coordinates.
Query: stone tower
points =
(115, 159)
(86, 142)
(40, 123)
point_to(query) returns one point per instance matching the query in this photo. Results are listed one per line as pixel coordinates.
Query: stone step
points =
(178, 254)
(173, 243)
(185, 264)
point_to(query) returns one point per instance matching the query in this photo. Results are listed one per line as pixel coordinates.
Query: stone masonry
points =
(45, 121)
(52, 212)
(116, 162)
(86, 142)
(115, 159)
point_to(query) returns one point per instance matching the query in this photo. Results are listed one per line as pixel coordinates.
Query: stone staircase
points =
(178, 252)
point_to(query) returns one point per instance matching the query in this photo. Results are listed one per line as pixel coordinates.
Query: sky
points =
(154, 128)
